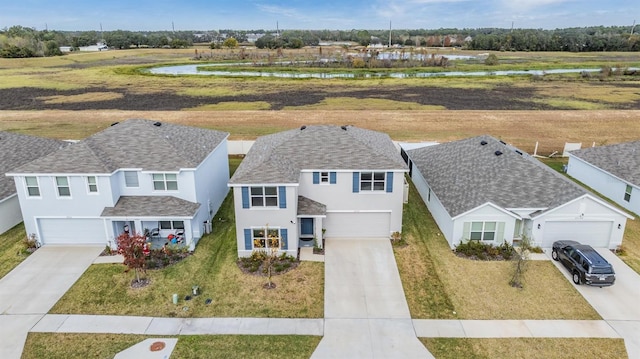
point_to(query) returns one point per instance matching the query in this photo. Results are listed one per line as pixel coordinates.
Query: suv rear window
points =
(601, 270)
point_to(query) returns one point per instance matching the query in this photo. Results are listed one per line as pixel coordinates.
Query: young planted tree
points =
(520, 263)
(131, 247)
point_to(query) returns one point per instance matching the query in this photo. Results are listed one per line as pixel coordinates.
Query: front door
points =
(306, 227)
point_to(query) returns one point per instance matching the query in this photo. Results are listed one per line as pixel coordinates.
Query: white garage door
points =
(357, 225)
(595, 233)
(72, 231)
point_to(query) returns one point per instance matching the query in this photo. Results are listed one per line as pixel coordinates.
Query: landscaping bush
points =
(484, 251)
(255, 264)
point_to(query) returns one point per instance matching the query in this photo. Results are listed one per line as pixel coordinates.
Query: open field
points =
(520, 128)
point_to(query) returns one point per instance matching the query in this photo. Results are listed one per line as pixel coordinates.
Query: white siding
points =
(604, 183)
(439, 213)
(273, 217)
(485, 213)
(10, 214)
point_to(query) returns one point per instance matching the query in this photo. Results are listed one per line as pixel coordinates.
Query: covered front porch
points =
(163, 220)
(310, 221)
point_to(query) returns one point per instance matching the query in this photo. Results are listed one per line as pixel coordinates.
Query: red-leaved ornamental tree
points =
(131, 248)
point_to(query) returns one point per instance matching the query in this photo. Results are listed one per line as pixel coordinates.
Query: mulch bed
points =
(257, 267)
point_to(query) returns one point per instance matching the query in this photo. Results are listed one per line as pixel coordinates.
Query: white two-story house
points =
(137, 176)
(298, 185)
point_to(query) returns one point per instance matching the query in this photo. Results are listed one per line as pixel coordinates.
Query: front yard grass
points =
(12, 250)
(438, 284)
(525, 348)
(105, 288)
(81, 346)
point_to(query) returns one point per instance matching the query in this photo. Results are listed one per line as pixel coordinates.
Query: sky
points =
(150, 15)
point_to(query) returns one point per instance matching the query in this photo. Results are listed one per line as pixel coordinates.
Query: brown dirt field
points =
(520, 128)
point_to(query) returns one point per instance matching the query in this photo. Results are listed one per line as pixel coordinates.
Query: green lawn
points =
(81, 346)
(105, 288)
(12, 250)
(438, 284)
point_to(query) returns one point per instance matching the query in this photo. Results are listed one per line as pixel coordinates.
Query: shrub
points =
(491, 60)
(484, 251)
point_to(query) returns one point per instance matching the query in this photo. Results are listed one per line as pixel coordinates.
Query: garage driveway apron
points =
(366, 313)
(33, 287)
(618, 304)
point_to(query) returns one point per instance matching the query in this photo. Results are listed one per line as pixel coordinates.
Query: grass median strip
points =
(80, 346)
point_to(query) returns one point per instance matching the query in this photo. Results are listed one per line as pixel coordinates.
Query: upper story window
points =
(627, 193)
(372, 181)
(131, 179)
(324, 177)
(264, 196)
(165, 182)
(33, 190)
(62, 183)
(92, 184)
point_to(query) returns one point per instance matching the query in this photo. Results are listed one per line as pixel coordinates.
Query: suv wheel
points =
(576, 277)
(554, 255)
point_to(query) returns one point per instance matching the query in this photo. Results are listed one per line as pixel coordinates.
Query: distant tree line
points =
(18, 41)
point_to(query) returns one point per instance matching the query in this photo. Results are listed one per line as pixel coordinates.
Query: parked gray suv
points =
(585, 263)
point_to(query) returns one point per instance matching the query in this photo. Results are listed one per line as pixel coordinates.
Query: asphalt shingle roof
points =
(279, 158)
(466, 174)
(309, 207)
(151, 206)
(17, 150)
(132, 144)
(621, 160)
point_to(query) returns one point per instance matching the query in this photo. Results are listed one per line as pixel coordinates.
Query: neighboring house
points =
(15, 151)
(482, 189)
(138, 175)
(613, 171)
(293, 186)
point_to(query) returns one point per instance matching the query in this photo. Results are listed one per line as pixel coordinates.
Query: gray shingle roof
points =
(309, 207)
(465, 174)
(279, 158)
(621, 160)
(151, 206)
(17, 150)
(132, 144)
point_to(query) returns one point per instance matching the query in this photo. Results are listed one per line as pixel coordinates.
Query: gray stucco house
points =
(136, 175)
(482, 189)
(613, 171)
(293, 186)
(15, 151)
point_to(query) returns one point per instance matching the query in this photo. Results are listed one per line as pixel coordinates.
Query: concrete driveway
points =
(366, 313)
(33, 287)
(617, 304)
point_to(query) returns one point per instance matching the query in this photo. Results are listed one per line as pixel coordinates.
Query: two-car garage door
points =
(593, 233)
(357, 224)
(72, 231)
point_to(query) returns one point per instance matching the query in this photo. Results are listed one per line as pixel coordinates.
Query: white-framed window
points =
(324, 177)
(266, 238)
(92, 184)
(264, 196)
(131, 179)
(171, 224)
(372, 181)
(483, 231)
(165, 182)
(62, 184)
(31, 182)
(627, 193)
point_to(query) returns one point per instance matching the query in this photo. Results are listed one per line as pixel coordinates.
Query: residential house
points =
(139, 176)
(613, 171)
(293, 187)
(15, 151)
(482, 189)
